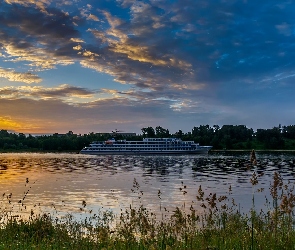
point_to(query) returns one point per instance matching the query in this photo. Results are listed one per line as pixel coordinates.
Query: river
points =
(78, 184)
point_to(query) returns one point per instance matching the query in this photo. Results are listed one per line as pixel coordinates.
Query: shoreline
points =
(210, 152)
(249, 150)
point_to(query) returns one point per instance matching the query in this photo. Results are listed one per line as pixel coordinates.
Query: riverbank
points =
(211, 151)
(38, 151)
(249, 150)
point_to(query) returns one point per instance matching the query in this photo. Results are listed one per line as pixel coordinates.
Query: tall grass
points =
(214, 223)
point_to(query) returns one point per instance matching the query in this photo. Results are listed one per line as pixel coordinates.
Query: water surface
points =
(59, 183)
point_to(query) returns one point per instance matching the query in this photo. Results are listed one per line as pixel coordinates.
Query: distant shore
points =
(40, 151)
(249, 150)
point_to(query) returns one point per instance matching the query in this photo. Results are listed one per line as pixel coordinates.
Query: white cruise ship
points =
(146, 146)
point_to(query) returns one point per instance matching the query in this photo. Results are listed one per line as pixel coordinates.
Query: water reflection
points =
(60, 182)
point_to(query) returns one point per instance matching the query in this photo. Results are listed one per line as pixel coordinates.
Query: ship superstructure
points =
(146, 146)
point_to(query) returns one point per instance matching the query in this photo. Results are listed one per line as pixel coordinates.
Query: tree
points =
(179, 134)
(148, 132)
(271, 138)
(289, 131)
(161, 132)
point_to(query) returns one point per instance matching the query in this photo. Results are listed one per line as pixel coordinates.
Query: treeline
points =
(233, 136)
(225, 137)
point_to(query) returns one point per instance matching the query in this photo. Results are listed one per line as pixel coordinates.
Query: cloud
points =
(48, 47)
(40, 4)
(93, 17)
(95, 116)
(78, 47)
(129, 115)
(181, 41)
(76, 40)
(37, 57)
(42, 40)
(13, 76)
(63, 92)
(284, 29)
(100, 35)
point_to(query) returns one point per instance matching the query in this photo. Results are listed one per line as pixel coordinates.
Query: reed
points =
(214, 222)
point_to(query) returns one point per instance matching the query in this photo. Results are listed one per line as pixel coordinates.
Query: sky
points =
(96, 66)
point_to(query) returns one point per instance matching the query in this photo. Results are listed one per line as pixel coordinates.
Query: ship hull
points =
(139, 152)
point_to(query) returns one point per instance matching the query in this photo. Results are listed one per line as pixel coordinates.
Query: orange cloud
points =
(8, 124)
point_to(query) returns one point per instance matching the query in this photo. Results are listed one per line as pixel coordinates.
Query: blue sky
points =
(96, 66)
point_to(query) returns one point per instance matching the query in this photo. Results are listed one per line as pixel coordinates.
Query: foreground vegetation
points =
(214, 223)
(226, 137)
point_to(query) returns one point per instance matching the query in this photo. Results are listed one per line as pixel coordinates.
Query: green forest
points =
(227, 137)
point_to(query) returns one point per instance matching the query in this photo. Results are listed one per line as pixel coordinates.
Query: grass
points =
(215, 223)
